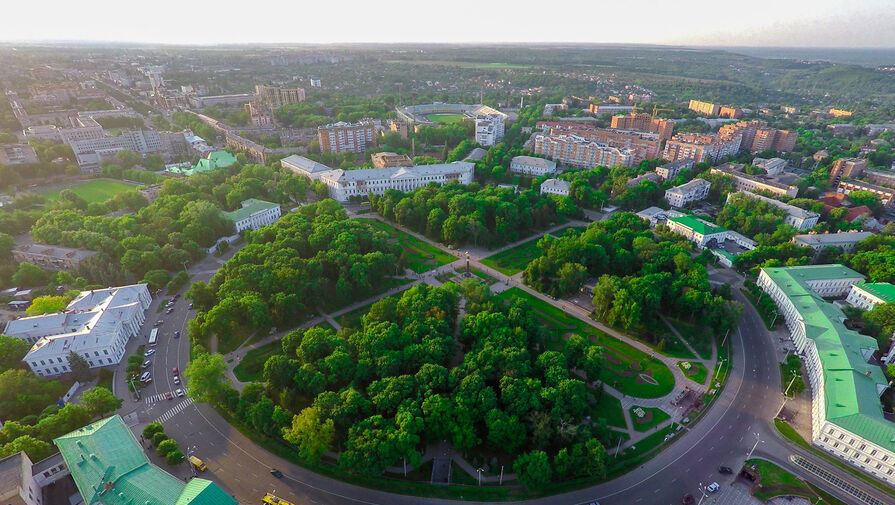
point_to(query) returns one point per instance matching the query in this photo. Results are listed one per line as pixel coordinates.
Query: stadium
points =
(435, 113)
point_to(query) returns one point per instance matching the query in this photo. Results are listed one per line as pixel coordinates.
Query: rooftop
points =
(851, 385)
(555, 184)
(690, 186)
(792, 210)
(249, 208)
(882, 290)
(698, 225)
(54, 251)
(832, 238)
(393, 173)
(535, 161)
(109, 467)
(303, 164)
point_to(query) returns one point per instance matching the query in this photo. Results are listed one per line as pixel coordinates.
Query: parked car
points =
(725, 470)
(179, 392)
(714, 486)
(147, 363)
(276, 473)
(149, 353)
(170, 310)
(159, 322)
(169, 396)
(146, 377)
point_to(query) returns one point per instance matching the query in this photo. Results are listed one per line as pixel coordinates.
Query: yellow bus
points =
(196, 462)
(273, 500)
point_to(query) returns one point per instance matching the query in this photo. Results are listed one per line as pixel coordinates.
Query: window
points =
(106, 351)
(90, 362)
(96, 353)
(42, 362)
(873, 452)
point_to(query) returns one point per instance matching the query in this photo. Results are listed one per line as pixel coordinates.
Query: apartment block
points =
(886, 195)
(489, 129)
(275, 97)
(609, 108)
(578, 151)
(707, 108)
(644, 122)
(347, 137)
(847, 168)
(700, 147)
(402, 128)
(730, 112)
(692, 191)
(671, 169)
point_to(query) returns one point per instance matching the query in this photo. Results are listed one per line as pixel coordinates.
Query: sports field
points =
(446, 118)
(98, 190)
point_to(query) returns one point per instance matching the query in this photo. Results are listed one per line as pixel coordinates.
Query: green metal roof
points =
(214, 160)
(882, 290)
(249, 207)
(221, 159)
(109, 467)
(851, 385)
(698, 225)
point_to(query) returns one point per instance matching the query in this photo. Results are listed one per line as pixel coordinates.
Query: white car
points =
(176, 381)
(179, 392)
(714, 486)
(149, 353)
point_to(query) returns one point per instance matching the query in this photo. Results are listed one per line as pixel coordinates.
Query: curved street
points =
(740, 421)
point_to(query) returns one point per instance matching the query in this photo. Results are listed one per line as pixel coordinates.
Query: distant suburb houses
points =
(96, 325)
(346, 184)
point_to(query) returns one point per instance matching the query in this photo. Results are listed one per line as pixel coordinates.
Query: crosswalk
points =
(174, 410)
(149, 400)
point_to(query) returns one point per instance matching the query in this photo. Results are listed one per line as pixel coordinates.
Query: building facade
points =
(885, 195)
(489, 129)
(702, 233)
(847, 168)
(531, 165)
(847, 419)
(577, 151)
(670, 170)
(96, 324)
(609, 108)
(820, 241)
(700, 147)
(555, 187)
(692, 191)
(730, 112)
(752, 183)
(867, 295)
(644, 122)
(706, 108)
(254, 214)
(344, 137)
(275, 97)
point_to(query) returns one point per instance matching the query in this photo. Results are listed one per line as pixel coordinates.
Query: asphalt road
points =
(739, 422)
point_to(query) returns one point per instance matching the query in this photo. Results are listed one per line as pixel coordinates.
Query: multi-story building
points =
(700, 147)
(253, 214)
(644, 122)
(671, 169)
(847, 418)
(692, 191)
(50, 257)
(402, 128)
(878, 177)
(866, 295)
(489, 129)
(657, 216)
(577, 151)
(748, 182)
(346, 184)
(96, 324)
(387, 160)
(649, 176)
(774, 140)
(772, 166)
(700, 232)
(344, 137)
(531, 165)
(840, 112)
(17, 154)
(706, 108)
(847, 168)
(730, 112)
(555, 187)
(275, 97)
(646, 145)
(820, 241)
(109, 466)
(598, 109)
(209, 101)
(797, 217)
(258, 114)
(315, 82)
(885, 195)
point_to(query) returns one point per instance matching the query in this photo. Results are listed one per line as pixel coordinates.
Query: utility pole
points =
(757, 440)
(501, 475)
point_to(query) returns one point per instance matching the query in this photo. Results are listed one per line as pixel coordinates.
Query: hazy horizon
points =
(795, 24)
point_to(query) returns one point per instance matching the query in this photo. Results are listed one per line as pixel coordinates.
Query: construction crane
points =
(655, 110)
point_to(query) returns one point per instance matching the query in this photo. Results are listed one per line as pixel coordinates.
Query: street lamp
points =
(757, 440)
(479, 470)
(702, 493)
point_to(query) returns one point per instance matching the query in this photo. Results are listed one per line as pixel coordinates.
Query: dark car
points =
(176, 334)
(688, 499)
(725, 470)
(276, 473)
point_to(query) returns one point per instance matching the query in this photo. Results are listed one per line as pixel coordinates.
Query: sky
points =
(777, 23)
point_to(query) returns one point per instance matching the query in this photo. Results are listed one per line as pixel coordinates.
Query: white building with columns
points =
(96, 324)
(847, 418)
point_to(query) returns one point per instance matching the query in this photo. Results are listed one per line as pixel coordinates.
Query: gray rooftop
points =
(690, 186)
(535, 162)
(303, 164)
(832, 238)
(392, 173)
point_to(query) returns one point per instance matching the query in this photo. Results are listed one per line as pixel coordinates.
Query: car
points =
(147, 363)
(179, 392)
(170, 310)
(725, 470)
(146, 377)
(159, 322)
(149, 353)
(191, 305)
(688, 499)
(276, 473)
(714, 486)
(177, 334)
(176, 381)
(175, 371)
(169, 396)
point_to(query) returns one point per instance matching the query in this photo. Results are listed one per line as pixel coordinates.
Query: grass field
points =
(697, 336)
(697, 371)
(98, 190)
(609, 409)
(446, 118)
(513, 261)
(421, 256)
(652, 418)
(776, 481)
(624, 364)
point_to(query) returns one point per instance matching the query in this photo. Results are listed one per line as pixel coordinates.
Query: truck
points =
(196, 462)
(273, 500)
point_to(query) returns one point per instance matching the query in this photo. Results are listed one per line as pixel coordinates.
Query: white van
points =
(145, 377)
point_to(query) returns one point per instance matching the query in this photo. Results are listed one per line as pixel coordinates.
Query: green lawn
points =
(624, 364)
(635, 455)
(776, 481)
(609, 409)
(697, 371)
(98, 190)
(482, 275)
(652, 418)
(513, 261)
(446, 118)
(699, 338)
(421, 256)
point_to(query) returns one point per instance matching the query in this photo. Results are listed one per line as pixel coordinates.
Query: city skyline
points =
(825, 23)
